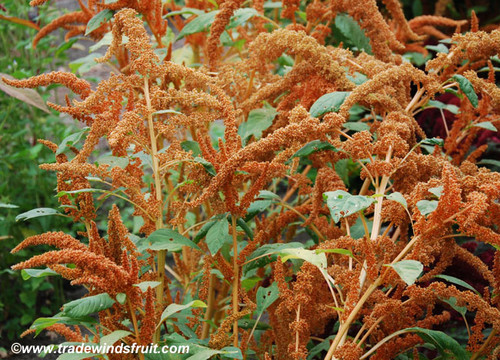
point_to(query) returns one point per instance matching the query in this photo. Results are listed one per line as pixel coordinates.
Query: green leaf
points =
(37, 273)
(486, 125)
(489, 162)
(452, 301)
(37, 213)
(116, 335)
(408, 270)
(356, 126)
(439, 48)
(242, 224)
(398, 197)
(257, 207)
(457, 281)
(268, 195)
(328, 103)
(336, 251)
(427, 206)
(121, 298)
(98, 20)
(352, 32)
(448, 347)
(167, 239)
(167, 111)
(200, 23)
(438, 190)
(88, 305)
(467, 89)
(432, 141)
(8, 206)
(192, 146)
(145, 285)
(217, 235)
(175, 308)
(258, 120)
(44, 322)
(268, 249)
(439, 105)
(207, 165)
(318, 260)
(113, 161)
(71, 140)
(313, 147)
(266, 297)
(241, 16)
(342, 204)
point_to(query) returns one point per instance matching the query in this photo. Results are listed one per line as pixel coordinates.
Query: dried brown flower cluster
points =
(153, 109)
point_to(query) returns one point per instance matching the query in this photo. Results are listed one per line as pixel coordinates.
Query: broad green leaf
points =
(352, 32)
(257, 207)
(448, 347)
(486, 125)
(258, 120)
(167, 239)
(328, 103)
(28, 96)
(37, 213)
(207, 165)
(313, 147)
(44, 322)
(71, 140)
(266, 297)
(408, 270)
(116, 335)
(439, 48)
(204, 229)
(192, 146)
(37, 273)
(84, 64)
(456, 281)
(268, 195)
(433, 141)
(8, 206)
(269, 249)
(357, 78)
(427, 206)
(318, 260)
(241, 16)
(113, 161)
(438, 190)
(121, 298)
(200, 23)
(342, 204)
(217, 235)
(452, 301)
(467, 89)
(356, 126)
(98, 20)
(398, 197)
(145, 285)
(88, 305)
(175, 308)
(438, 104)
(336, 251)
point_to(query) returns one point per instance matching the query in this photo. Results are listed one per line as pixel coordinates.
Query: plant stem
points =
(235, 280)
(159, 221)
